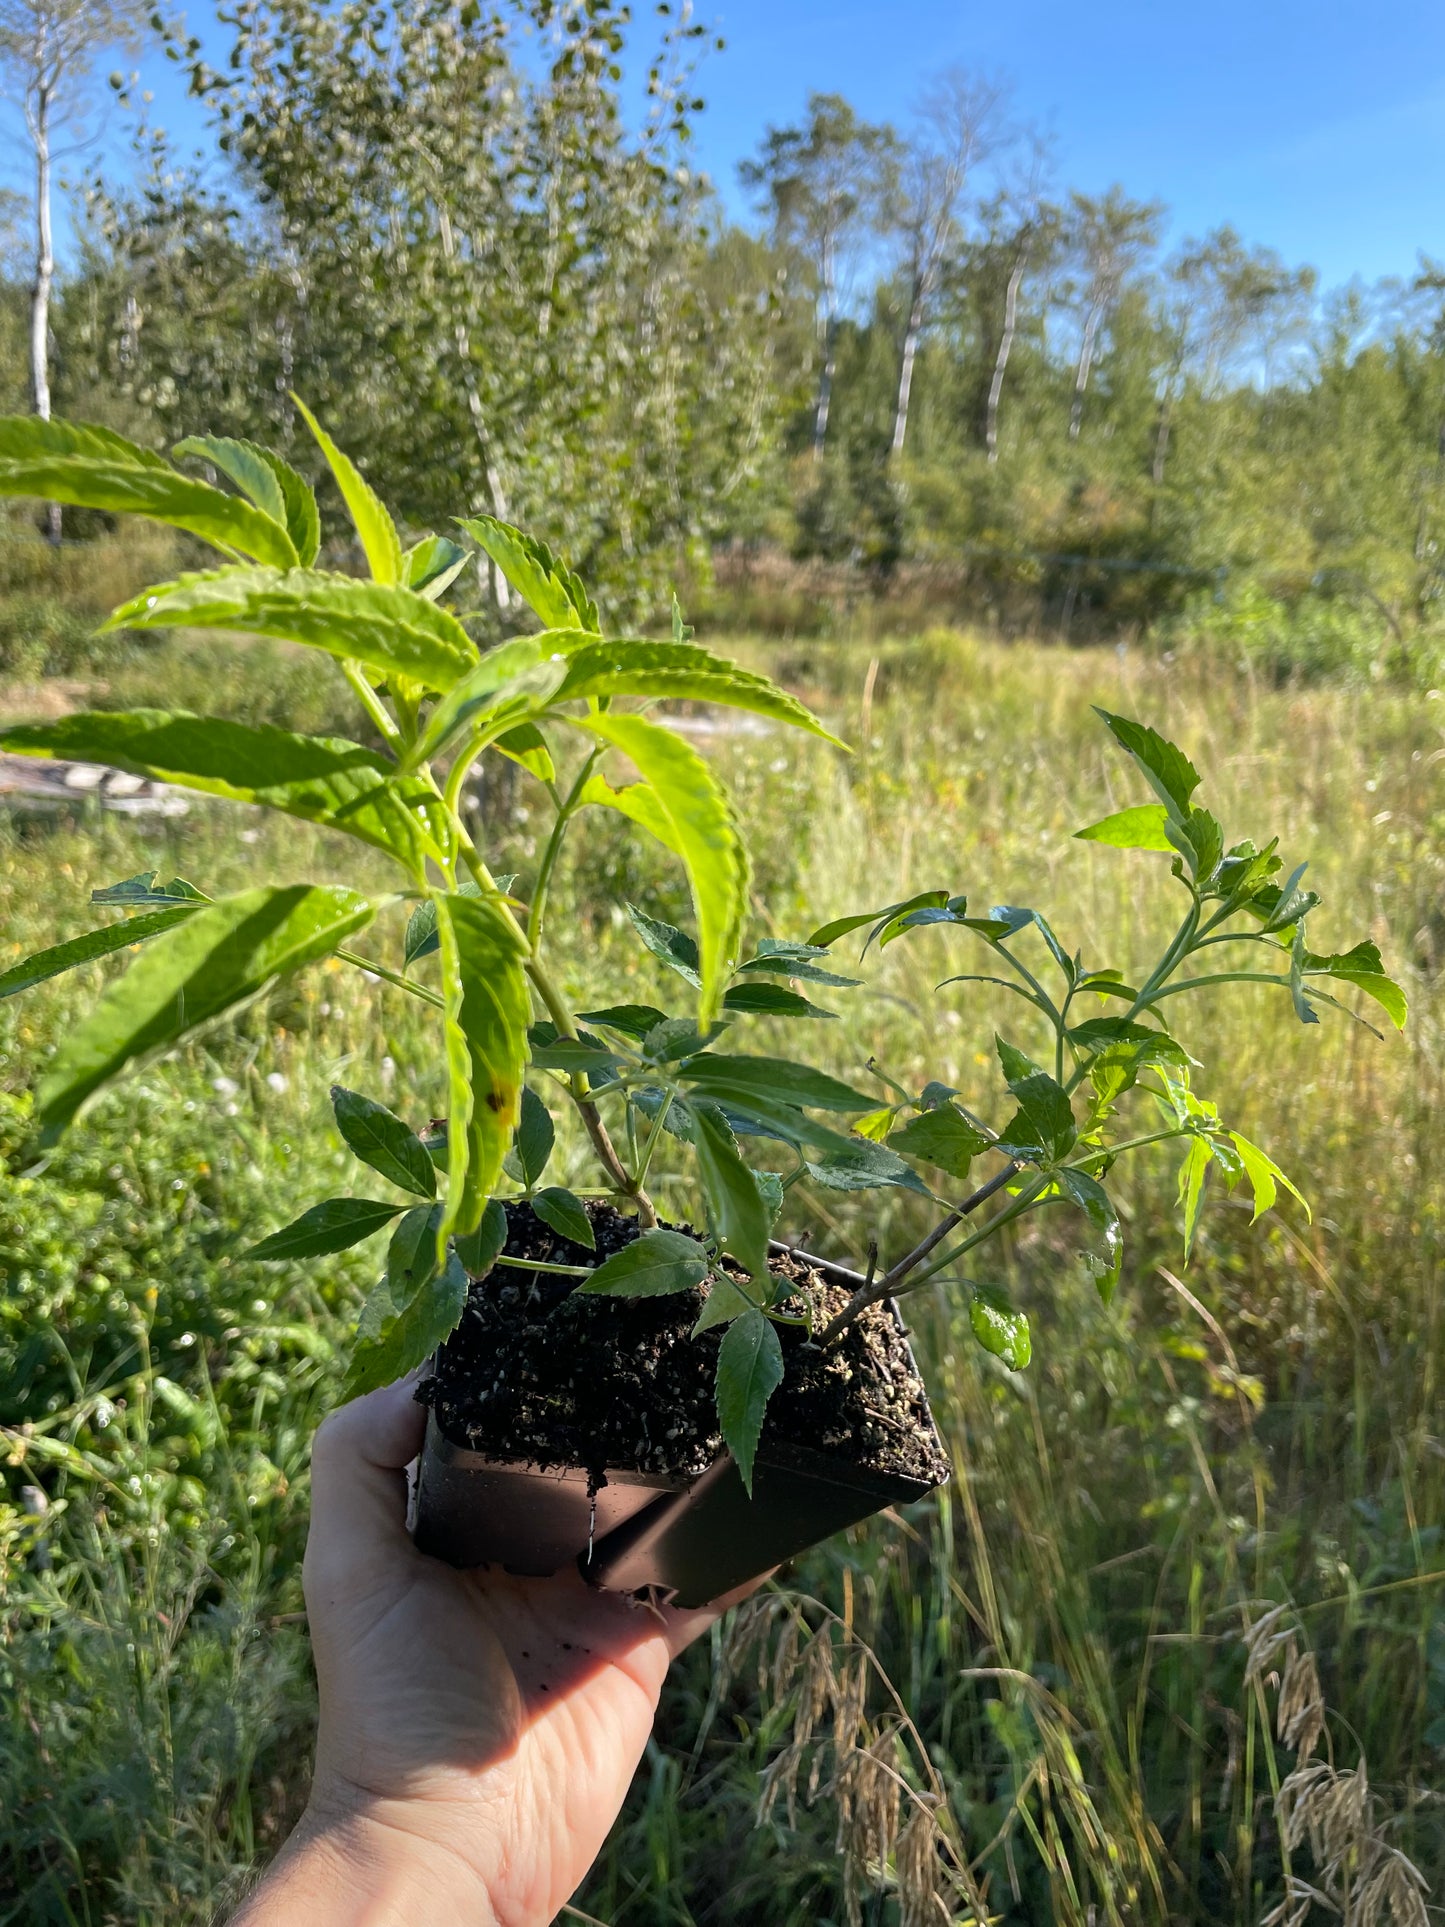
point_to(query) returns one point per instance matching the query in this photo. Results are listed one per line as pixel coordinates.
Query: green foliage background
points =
(1118, 1515)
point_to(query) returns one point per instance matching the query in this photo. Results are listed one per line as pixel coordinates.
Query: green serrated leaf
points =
(479, 1250)
(682, 671)
(941, 1137)
(829, 933)
(1192, 1174)
(1264, 1176)
(675, 1038)
(380, 1139)
(672, 946)
(214, 961)
(144, 892)
(387, 628)
(771, 1000)
(735, 1079)
(633, 1020)
(421, 938)
(543, 581)
(535, 1137)
(335, 1225)
(1107, 1254)
(1141, 828)
(412, 1335)
(90, 467)
(584, 1052)
(495, 697)
(999, 1328)
(1303, 1009)
(1043, 1103)
(725, 1301)
(566, 1214)
(864, 1166)
(1171, 775)
(87, 949)
(374, 526)
(749, 1371)
(638, 802)
(705, 834)
(739, 1213)
(273, 485)
(1362, 967)
(322, 779)
(653, 1265)
(411, 1257)
(487, 1014)
(527, 746)
(431, 566)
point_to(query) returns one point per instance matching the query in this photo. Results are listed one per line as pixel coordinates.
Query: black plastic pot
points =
(687, 1542)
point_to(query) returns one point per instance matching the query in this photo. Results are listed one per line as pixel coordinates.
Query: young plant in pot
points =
(676, 1406)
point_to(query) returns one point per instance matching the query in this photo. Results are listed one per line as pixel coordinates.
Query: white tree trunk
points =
(905, 373)
(1086, 362)
(44, 276)
(1005, 349)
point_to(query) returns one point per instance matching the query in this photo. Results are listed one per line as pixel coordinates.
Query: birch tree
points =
(960, 124)
(1111, 235)
(48, 50)
(1228, 309)
(1031, 228)
(828, 187)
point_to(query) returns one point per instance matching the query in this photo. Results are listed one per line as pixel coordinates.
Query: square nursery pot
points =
(543, 1449)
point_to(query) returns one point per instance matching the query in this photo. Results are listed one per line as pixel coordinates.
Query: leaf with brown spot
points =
(487, 1013)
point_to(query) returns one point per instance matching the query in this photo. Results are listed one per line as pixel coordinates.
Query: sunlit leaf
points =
(653, 1264)
(335, 1225)
(487, 1014)
(322, 779)
(215, 961)
(705, 833)
(273, 485)
(381, 1140)
(90, 467)
(374, 526)
(388, 629)
(541, 579)
(87, 949)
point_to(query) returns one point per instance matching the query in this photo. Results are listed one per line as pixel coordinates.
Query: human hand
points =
(478, 1732)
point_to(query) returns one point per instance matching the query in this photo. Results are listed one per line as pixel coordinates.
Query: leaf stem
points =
(557, 1009)
(876, 1290)
(375, 708)
(1218, 977)
(566, 810)
(890, 1283)
(537, 1264)
(389, 976)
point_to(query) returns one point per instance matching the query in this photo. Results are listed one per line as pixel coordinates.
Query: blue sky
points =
(1316, 126)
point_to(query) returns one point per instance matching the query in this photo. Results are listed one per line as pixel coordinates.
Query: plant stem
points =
(375, 969)
(887, 1286)
(652, 1137)
(373, 705)
(557, 1009)
(1219, 977)
(537, 1264)
(566, 809)
(884, 1287)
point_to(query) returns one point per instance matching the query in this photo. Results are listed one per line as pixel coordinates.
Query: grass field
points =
(1206, 1517)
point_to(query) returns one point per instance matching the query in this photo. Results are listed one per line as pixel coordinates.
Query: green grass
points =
(1065, 1624)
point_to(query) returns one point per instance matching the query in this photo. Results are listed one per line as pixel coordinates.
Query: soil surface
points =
(538, 1373)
